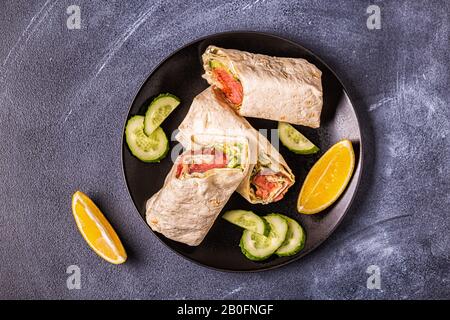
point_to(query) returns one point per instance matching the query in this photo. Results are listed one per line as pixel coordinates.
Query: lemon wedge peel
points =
(336, 148)
(109, 237)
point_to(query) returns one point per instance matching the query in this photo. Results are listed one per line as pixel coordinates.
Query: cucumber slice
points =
(294, 140)
(158, 111)
(247, 220)
(146, 148)
(295, 239)
(257, 247)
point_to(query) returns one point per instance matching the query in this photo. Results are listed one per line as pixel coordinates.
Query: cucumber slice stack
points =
(264, 236)
(257, 247)
(144, 136)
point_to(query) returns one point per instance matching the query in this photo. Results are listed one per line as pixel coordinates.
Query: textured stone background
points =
(63, 100)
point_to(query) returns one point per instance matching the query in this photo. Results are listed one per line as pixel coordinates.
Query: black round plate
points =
(180, 74)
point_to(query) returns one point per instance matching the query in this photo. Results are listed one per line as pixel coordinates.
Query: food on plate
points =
(258, 247)
(197, 187)
(269, 176)
(261, 86)
(96, 230)
(158, 111)
(150, 148)
(327, 179)
(247, 220)
(268, 182)
(292, 139)
(285, 236)
(294, 241)
(144, 136)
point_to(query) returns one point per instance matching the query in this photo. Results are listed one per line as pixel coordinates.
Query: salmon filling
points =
(230, 87)
(267, 184)
(201, 161)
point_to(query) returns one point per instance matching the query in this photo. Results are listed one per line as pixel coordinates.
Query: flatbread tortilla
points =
(275, 88)
(209, 116)
(185, 209)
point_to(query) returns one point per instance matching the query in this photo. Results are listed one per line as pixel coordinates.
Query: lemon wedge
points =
(327, 179)
(96, 230)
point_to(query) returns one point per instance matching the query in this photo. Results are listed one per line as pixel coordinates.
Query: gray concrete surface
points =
(64, 96)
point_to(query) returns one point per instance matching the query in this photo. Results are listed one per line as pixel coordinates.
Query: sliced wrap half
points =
(197, 188)
(261, 86)
(269, 177)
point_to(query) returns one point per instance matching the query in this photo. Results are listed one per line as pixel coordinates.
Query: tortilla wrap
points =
(207, 115)
(185, 208)
(274, 88)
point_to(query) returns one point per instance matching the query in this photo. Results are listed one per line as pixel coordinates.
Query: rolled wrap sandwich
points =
(260, 86)
(197, 188)
(269, 177)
